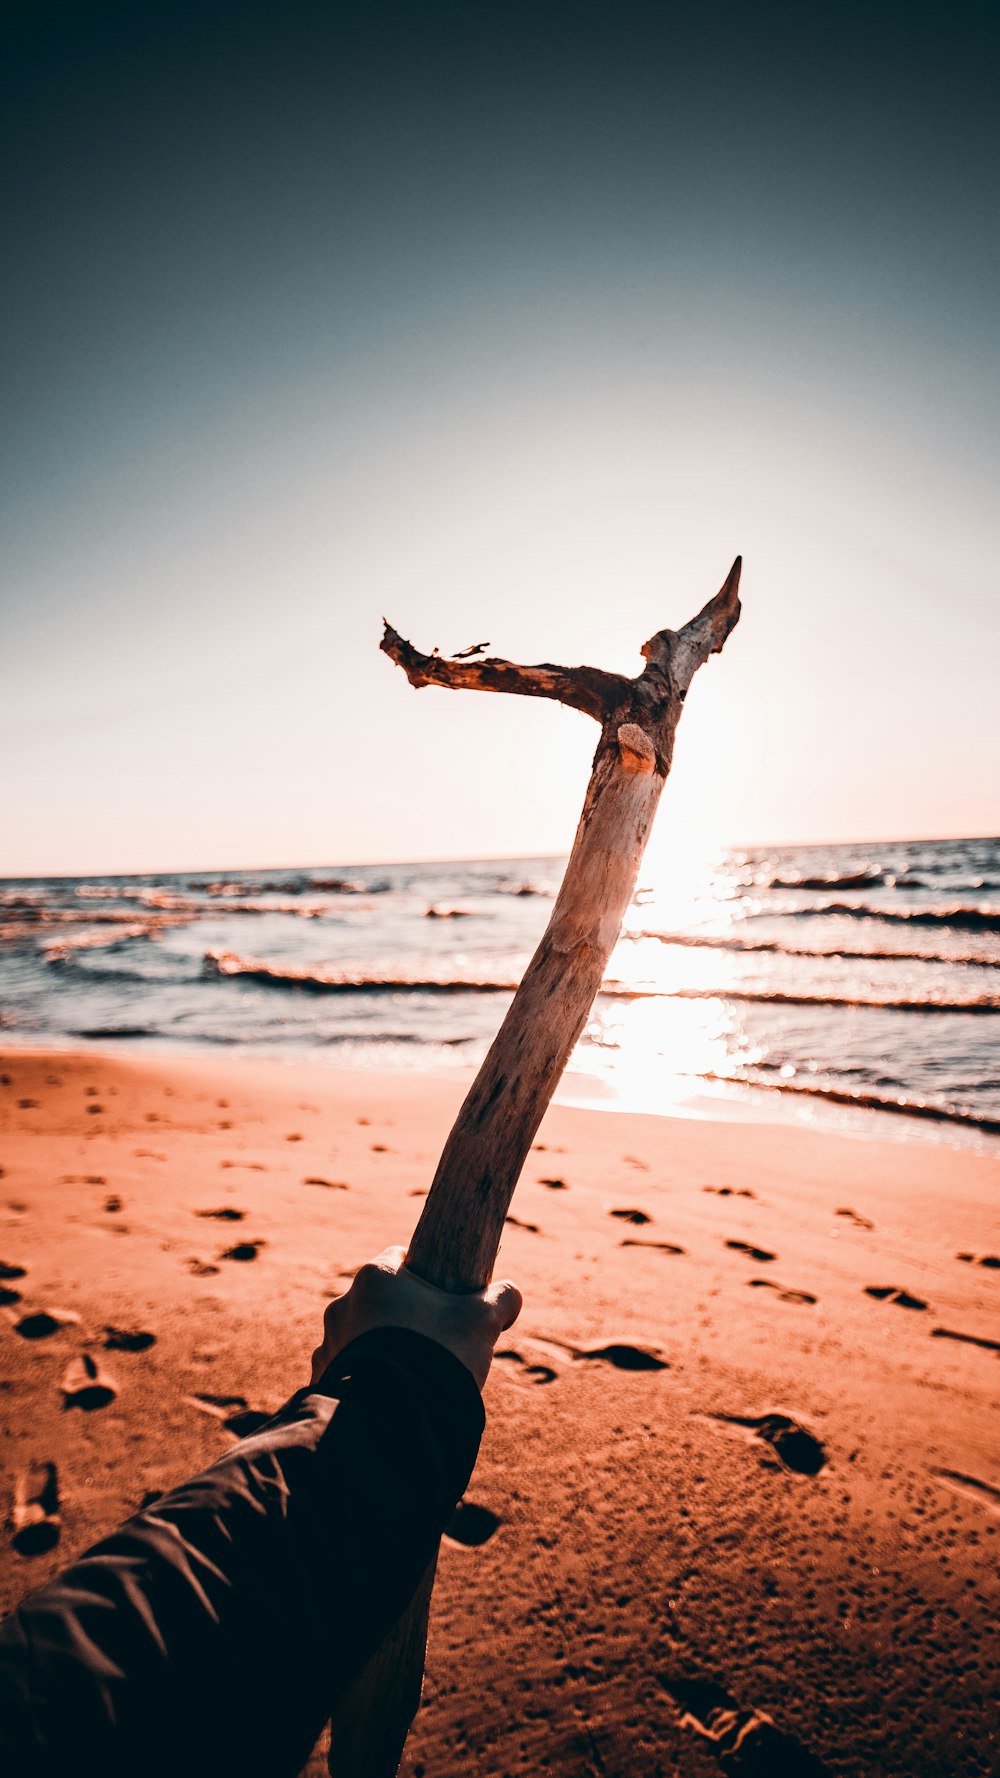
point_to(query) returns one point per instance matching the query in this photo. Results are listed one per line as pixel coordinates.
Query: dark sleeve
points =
(215, 1630)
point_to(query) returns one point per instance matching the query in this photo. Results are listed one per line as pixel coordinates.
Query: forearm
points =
(215, 1630)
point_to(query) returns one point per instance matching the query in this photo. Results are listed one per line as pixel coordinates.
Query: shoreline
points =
(651, 1536)
(707, 1100)
(822, 986)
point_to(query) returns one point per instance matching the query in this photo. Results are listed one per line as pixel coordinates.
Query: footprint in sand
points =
(860, 1222)
(225, 1214)
(243, 1250)
(236, 1416)
(113, 1204)
(555, 1185)
(527, 1371)
(730, 1191)
(984, 1259)
(760, 1254)
(248, 1166)
(199, 1268)
(217, 1405)
(745, 1742)
(8, 1296)
(658, 1246)
(36, 1520)
(40, 1324)
(638, 1217)
(970, 1487)
(798, 1448)
(530, 1228)
(471, 1525)
(7, 1270)
(332, 1185)
(784, 1295)
(948, 1333)
(624, 1357)
(128, 1339)
(893, 1293)
(85, 1385)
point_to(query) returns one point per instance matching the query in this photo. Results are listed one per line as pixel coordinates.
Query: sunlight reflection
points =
(695, 888)
(651, 1051)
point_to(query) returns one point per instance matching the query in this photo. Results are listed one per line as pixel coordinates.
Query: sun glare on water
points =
(661, 1029)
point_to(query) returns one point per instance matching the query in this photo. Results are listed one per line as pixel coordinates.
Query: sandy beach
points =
(740, 1454)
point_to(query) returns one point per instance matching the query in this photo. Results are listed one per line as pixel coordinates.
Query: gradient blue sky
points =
(511, 322)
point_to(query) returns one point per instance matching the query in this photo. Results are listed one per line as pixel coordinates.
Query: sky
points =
(508, 322)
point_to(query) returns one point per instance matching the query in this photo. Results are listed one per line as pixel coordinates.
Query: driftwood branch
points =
(583, 688)
(456, 1239)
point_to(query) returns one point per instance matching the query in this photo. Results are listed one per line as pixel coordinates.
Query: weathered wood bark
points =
(455, 1242)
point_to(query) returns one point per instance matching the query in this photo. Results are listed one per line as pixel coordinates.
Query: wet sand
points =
(740, 1462)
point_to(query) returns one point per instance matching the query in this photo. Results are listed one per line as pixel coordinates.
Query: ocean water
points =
(864, 975)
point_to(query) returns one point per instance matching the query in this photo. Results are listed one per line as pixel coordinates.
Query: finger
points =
(390, 1259)
(506, 1302)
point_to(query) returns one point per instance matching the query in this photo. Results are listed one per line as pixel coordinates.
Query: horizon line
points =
(483, 858)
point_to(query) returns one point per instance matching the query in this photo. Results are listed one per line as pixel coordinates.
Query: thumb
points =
(506, 1301)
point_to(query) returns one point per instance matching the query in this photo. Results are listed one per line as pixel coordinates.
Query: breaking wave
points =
(63, 950)
(774, 947)
(187, 906)
(296, 886)
(870, 1102)
(984, 1003)
(243, 888)
(228, 964)
(862, 879)
(959, 919)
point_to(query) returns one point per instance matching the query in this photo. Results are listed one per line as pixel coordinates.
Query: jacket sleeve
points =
(215, 1630)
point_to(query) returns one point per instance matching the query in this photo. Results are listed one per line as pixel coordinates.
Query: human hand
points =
(385, 1294)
